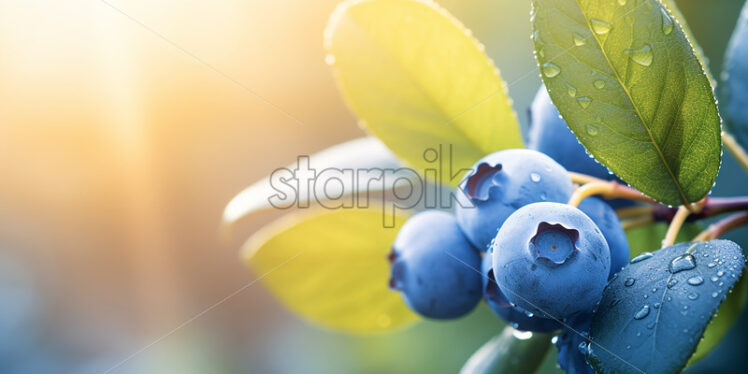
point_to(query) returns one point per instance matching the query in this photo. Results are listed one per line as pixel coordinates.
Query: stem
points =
(609, 190)
(636, 222)
(579, 178)
(735, 149)
(719, 228)
(635, 211)
(675, 225)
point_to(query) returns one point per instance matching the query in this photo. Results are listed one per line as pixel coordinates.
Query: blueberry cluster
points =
(540, 264)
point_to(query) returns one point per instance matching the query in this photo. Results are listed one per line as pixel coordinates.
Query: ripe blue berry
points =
(572, 352)
(550, 135)
(550, 258)
(501, 183)
(514, 316)
(607, 221)
(435, 267)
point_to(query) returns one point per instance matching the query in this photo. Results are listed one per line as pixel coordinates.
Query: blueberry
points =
(501, 183)
(435, 266)
(550, 135)
(551, 259)
(572, 352)
(514, 316)
(607, 221)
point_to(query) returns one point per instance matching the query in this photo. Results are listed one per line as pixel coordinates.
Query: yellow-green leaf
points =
(365, 153)
(330, 268)
(417, 79)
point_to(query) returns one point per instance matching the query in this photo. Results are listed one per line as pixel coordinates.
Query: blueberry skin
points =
(572, 352)
(501, 183)
(607, 221)
(549, 134)
(511, 315)
(435, 267)
(550, 258)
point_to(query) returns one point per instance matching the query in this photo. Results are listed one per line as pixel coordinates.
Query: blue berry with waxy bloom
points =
(501, 183)
(607, 221)
(551, 258)
(435, 267)
(519, 319)
(573, 350)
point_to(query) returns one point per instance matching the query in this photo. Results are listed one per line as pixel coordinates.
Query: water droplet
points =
(642, 56)
(535, 177)
(600, 27)
(329, 59)
(543, 196)
(599, 84)
(714, 278)
(715, 294)
(642, 313)
(572, 91)
(621, 2)
(667, 22)
(554, 339)
(582, 348)
(654, 289)
(641, 257)
(671, 283)
(682, 262)
(720, 273)
(628, 346)
(629, 282)
(657, 305)
(592, 130)
(693, 295)
(578, 40)
(584, 101)
(522, 335)
(695, 281)
(711, 265)
(551, 70)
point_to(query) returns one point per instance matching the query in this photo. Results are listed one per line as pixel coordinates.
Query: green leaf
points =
(653, 313)
(512, 351)
(369, 153)
(676, 14)
(330, 267)
(629, 85)
(417, 79)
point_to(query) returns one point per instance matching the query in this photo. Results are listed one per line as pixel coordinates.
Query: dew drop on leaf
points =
(667, 23)
(641, 257)
(681, 263)
(584, 101)
(600, 27)
(621, 2)
(629, 282)
(599, 84)
(535, 177)
(572, 91)
(551, 70)
(642, 313)
(695, 281)
(592, 130)
(642, 56)
(578, 39)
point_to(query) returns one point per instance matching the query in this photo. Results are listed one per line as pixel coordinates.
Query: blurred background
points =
(126, 126)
